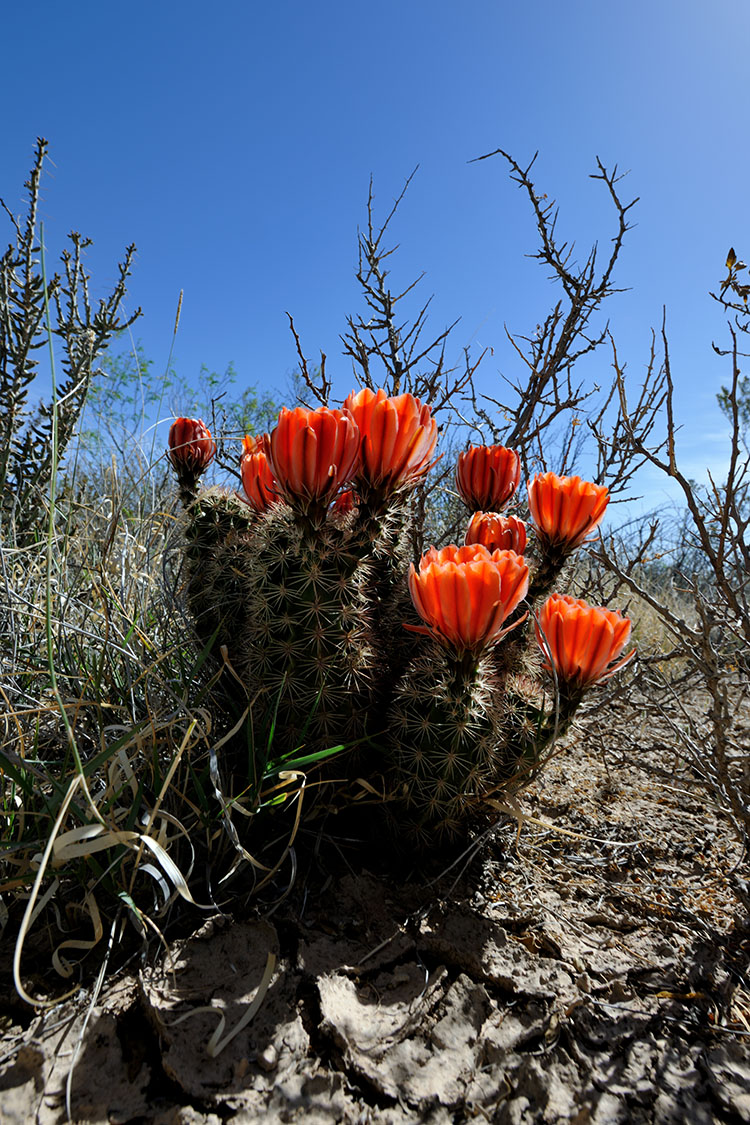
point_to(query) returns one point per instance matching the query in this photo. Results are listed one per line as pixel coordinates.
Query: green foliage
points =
(724, 398)
(734, 401)
(118, 404)
(122, 410)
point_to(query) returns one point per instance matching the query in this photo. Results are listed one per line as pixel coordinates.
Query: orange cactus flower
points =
(487, 476)
(580, 641)
(312, 454)
(191, 446)
(497, 533)
(398, 439)
(465, 594)
(565, 509)
(258, 480)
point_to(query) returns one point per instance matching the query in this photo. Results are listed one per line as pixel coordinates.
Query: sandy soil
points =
(594, 974)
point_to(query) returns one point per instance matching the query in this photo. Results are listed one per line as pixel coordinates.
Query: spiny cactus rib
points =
(308, 632)
(448, 740)
(219, 561)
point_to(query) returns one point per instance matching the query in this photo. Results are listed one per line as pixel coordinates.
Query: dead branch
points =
(548, 393)
(710, 561)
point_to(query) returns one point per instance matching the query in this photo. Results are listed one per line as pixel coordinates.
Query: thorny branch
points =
(386, 350)
(316, 381)
(711, 564)
(617, 462)
(394, 352)
(719, 518)
(711, 567)
(549, 393)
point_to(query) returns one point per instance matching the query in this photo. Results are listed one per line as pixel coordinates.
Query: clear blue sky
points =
(233, 143)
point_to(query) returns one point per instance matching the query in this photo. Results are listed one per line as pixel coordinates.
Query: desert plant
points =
(309, 598)
(103, 718)
(26, 434)
(687, 568)
(709, 563)
(124, 835)
(320, 579)
(301, 590)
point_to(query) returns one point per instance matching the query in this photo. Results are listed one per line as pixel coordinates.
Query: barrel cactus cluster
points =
(433, 674)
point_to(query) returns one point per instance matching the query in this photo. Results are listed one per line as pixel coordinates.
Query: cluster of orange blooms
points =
(376, 446)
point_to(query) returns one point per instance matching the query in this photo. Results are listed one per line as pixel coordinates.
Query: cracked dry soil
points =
(599, 977)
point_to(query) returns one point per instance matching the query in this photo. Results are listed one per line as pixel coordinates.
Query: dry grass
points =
(121, 809)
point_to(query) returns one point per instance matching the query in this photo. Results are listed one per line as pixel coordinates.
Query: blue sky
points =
(234, 142)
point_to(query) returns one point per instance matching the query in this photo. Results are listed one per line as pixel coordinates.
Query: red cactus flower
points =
(464, 594)
(497, 533)
(191, 446)
(398, 439)
(565, 509)
(258, 480)
(487, 476)
(312, 454)
(345, 501)
(581, 641)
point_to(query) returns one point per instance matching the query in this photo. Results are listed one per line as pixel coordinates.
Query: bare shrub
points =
(706, 558)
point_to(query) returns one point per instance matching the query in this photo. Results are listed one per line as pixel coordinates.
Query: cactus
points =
(305, 650)
(398, 439)
(448, 737)
(446, 743)
(219, 559)
(304, 580)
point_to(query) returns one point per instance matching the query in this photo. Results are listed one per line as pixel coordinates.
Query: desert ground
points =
(586, 962)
